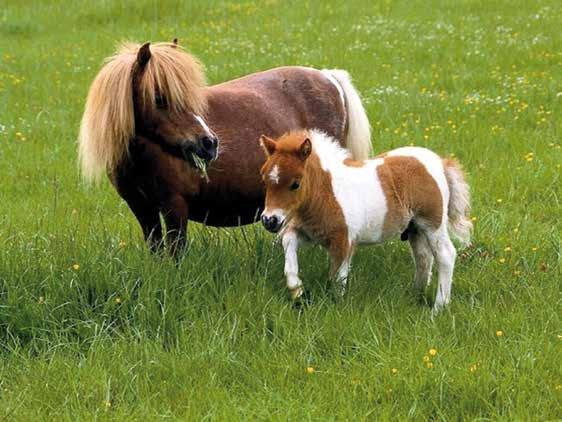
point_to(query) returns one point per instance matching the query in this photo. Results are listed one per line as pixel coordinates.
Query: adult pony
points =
(150, 118)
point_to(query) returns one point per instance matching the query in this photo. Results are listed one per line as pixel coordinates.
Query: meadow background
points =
(91, 325)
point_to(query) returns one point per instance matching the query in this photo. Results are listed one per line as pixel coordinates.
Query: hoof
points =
(302, 301)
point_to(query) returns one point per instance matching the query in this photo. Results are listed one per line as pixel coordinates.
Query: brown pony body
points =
(146, 161)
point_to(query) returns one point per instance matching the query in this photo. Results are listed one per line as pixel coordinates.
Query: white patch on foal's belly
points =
(360, 195)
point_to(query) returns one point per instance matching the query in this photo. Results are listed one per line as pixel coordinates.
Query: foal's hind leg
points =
(445, 255)
(423, 259)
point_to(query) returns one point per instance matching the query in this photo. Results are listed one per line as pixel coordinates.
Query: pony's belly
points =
(225, 215)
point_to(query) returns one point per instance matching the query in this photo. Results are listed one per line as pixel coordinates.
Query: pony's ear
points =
(143, 56)
(305, 149)
(268, 145)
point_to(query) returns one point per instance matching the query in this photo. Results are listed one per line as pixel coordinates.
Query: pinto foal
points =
(315, 191)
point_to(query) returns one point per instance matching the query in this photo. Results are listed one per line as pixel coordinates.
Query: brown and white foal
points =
(315, 191)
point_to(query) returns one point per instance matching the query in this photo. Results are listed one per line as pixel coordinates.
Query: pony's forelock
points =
(108, 122)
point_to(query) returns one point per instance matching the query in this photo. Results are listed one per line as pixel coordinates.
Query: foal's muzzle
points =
(272, 224)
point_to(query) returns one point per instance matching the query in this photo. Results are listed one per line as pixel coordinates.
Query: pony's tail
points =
(358, 140)
(459, 201)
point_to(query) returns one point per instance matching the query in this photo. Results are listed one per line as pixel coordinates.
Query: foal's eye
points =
(295, 185)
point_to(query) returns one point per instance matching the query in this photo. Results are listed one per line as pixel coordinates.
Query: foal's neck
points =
(319, 214)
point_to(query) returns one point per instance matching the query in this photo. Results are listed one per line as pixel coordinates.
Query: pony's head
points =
(154, 91)
(284, 176)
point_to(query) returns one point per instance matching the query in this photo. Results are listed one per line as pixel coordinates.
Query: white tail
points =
(459, 201)
(358, 140)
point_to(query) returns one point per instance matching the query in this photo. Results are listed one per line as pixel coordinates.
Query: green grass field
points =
(93, 326)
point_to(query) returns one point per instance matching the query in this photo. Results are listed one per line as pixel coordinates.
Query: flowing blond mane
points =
(108, 123)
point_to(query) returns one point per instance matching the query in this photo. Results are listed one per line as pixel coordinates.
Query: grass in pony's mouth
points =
(201, 165)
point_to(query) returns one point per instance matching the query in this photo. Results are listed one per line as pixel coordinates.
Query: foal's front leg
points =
(340, 253)
(290, 242)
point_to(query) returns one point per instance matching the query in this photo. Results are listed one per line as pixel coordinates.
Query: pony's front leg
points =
(341, 252)
(175, 215)
(290, 242)
(143, 207)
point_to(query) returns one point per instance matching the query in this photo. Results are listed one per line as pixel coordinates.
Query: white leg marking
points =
(290, 245)
(445, 255)
(423, 259)
(341, 276)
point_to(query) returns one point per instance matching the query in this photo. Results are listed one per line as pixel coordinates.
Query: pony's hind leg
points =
(445, 255)
(423, 259)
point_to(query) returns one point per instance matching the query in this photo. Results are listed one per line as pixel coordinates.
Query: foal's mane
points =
(108, 123)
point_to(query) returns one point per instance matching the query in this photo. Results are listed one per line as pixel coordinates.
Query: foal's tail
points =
(358, 139)
(459, 201)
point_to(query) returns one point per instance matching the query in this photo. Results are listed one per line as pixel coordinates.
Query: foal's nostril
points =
(270, 223)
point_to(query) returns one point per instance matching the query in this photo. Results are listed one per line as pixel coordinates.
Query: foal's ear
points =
(305, 149)
(143, 56)
(268, 145)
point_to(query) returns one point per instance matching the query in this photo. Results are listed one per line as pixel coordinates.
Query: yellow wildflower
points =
(310, 370)
(499, 333)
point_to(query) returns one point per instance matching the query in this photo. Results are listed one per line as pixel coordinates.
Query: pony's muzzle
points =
(271, 224)
(208, 147)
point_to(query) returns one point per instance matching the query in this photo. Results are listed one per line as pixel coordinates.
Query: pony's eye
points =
(295, 185)
(160, 102)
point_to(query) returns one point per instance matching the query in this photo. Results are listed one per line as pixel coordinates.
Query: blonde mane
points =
(108, 123)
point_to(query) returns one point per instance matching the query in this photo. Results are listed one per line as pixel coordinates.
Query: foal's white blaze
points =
(357, 190)
(274, 174)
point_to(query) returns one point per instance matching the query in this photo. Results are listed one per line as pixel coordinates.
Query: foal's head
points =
(283, 175)
(169, 102)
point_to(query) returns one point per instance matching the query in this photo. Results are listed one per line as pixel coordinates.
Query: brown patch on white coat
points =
(406, 199)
